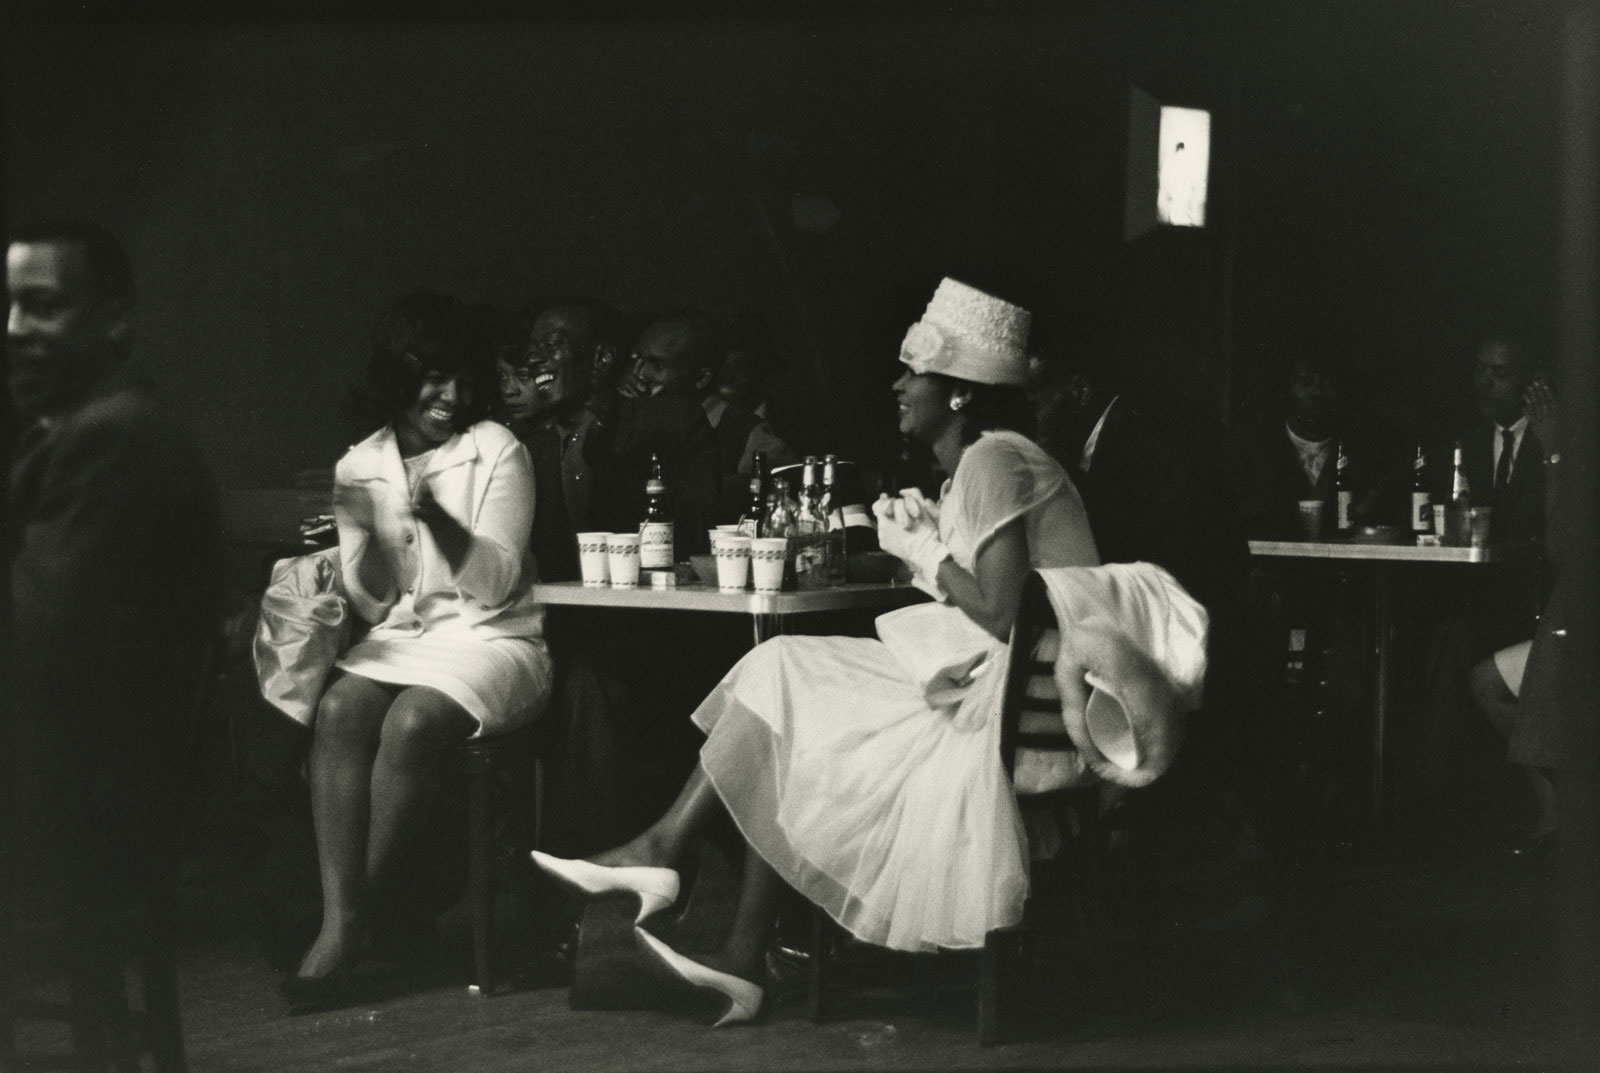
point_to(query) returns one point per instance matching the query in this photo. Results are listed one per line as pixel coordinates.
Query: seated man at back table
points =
(1294, 456)
(560, 402)
(659, 412)
(1496, 607)
(736, 405)
(1504, 462)
(625, 680)
(1149, 491)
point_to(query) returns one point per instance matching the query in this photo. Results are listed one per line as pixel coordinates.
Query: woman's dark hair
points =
(420, 334)
(992, 406)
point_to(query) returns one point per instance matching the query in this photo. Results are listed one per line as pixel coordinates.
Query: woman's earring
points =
(956, 403)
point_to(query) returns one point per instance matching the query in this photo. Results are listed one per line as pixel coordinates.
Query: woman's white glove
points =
(907, 531)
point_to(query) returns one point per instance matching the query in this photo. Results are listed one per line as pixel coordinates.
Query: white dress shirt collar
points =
(1094, 436)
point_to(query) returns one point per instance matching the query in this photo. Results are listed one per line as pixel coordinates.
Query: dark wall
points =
(1383, 178)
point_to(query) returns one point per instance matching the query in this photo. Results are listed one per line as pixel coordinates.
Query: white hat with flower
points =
(970, 335)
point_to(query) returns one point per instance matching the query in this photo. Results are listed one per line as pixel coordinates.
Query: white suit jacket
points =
(483, 478)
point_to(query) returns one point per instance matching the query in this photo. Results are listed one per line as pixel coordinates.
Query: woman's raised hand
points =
(1544, 416)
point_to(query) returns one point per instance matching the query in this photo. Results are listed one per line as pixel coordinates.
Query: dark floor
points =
(1358, 954)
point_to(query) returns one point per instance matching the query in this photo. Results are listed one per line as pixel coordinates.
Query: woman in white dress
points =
(889, 810)
(434, 511)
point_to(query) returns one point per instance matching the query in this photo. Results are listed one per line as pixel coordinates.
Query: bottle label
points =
(1344, 510)
(1421, 512)
(655, 546)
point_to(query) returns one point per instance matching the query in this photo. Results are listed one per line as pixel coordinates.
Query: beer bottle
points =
(838, 535)
(1421, 495)
(810, 531)
(1457, 522)
(779, 522)
(755, 511)
(1460, 493)
(1342, 491)
(656, 550)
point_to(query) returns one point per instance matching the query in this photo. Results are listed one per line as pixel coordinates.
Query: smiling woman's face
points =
(924, 402)
(432, 418)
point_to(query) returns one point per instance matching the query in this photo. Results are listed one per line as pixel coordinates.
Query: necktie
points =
(1502, 471)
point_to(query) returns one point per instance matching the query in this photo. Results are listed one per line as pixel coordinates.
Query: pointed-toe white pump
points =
(657, 888)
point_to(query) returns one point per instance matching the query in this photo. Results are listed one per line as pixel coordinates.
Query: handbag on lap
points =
(303, 629)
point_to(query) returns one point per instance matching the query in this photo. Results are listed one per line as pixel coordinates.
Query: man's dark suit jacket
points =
(1518, 507)
(115, 559)
(1278, 482)
(1506, 599)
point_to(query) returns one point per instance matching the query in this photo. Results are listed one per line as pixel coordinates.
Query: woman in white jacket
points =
(434, 512)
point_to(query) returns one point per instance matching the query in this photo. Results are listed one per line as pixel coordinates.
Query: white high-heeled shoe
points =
(657, 888)
(744, 997)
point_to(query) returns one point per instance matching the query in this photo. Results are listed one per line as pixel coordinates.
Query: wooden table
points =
(768, 611)
(1384, 562)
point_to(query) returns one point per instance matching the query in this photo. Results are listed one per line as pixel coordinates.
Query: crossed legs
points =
(743, 950)
(374, 768)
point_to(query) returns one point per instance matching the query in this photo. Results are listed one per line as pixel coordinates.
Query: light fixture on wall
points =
(1169, 161)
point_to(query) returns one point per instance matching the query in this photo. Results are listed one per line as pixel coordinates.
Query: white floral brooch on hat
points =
(922, 345)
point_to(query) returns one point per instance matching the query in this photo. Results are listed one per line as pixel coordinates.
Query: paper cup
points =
(766, 562)
(594, 558)
(1313, 514)
(733, 563)
(622, 552)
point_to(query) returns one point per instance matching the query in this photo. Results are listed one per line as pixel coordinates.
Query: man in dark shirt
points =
(1294, 457)
(114, 555)
(735, 401)
(659, 412)
(561, 404)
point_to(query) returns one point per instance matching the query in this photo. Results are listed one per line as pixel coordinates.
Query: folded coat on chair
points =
(1139, 640)
(303, 629)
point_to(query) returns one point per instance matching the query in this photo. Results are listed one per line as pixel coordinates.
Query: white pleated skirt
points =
(896, 818)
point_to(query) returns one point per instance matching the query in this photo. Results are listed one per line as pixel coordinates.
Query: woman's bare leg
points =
(664, 841)
(422, 725)
(744, 951)
(344, 742)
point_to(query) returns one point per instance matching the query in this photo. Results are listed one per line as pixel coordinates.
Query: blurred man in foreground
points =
(113, 550)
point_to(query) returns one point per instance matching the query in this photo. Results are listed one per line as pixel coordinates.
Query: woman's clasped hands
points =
(908, 528)
(449, 535)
